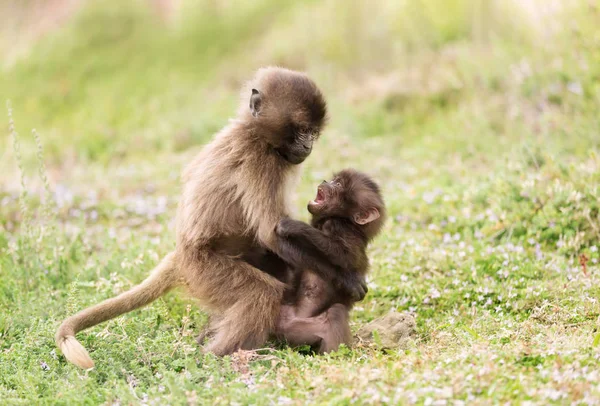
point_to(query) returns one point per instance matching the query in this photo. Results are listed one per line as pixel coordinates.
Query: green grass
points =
(484, 138)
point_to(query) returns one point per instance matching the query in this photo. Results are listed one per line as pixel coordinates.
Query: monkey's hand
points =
(353, 285)
(286, 227)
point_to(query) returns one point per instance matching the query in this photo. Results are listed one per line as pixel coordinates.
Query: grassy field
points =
(480, 121)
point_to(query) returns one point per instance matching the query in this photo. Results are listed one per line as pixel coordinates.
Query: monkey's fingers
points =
(284, 226)
(360, 293)
(365, 289)
(355, 288)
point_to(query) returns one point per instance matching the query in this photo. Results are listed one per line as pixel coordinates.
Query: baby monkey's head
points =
(352, 195)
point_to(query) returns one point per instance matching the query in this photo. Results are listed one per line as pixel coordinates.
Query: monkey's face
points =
(352, 195)
(288, 111)
(329, 200)
(296, 144)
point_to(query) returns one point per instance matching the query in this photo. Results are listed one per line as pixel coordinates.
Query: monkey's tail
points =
(161, 280)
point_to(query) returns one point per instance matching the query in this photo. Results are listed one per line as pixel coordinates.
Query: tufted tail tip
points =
(75, 353)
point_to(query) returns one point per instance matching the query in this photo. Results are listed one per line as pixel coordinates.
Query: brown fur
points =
(331, 258)
(235, 192)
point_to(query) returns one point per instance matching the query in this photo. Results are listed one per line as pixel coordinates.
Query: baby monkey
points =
(329, 260)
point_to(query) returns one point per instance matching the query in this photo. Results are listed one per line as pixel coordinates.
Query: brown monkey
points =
(234, 194)
(347, 213)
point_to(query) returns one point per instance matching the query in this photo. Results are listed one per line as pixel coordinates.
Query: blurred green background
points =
(105, 80)
(479, 118)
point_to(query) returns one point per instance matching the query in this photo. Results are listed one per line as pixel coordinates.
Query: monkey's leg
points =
(327, 330)
(246, 299)
(314, 295)
(300, 330)
(338, 331)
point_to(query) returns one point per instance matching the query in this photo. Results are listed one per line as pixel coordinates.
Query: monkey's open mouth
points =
(320, 198)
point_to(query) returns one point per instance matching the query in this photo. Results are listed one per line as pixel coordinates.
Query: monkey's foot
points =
(205, 334)
(394, 330)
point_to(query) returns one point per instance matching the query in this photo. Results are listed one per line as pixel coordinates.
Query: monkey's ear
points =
(365, 217)
(255, 102)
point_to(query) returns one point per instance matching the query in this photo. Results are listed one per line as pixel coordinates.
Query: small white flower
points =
(434, 293)
(575, 88)
(283, 400)
(429, 197)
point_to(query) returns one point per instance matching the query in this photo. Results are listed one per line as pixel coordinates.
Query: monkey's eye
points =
(305, 133)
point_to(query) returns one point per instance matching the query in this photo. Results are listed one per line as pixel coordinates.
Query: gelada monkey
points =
(234, 194)
(329, 256)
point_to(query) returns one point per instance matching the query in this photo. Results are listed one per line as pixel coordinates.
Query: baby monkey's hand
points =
(287, 227)
(353, 285)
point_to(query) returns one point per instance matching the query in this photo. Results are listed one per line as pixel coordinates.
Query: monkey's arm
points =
(308, 236)
(268, 262)
(306, 256)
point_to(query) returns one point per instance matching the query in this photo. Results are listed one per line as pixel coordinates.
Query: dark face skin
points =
(297, 144)
(289, 118)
